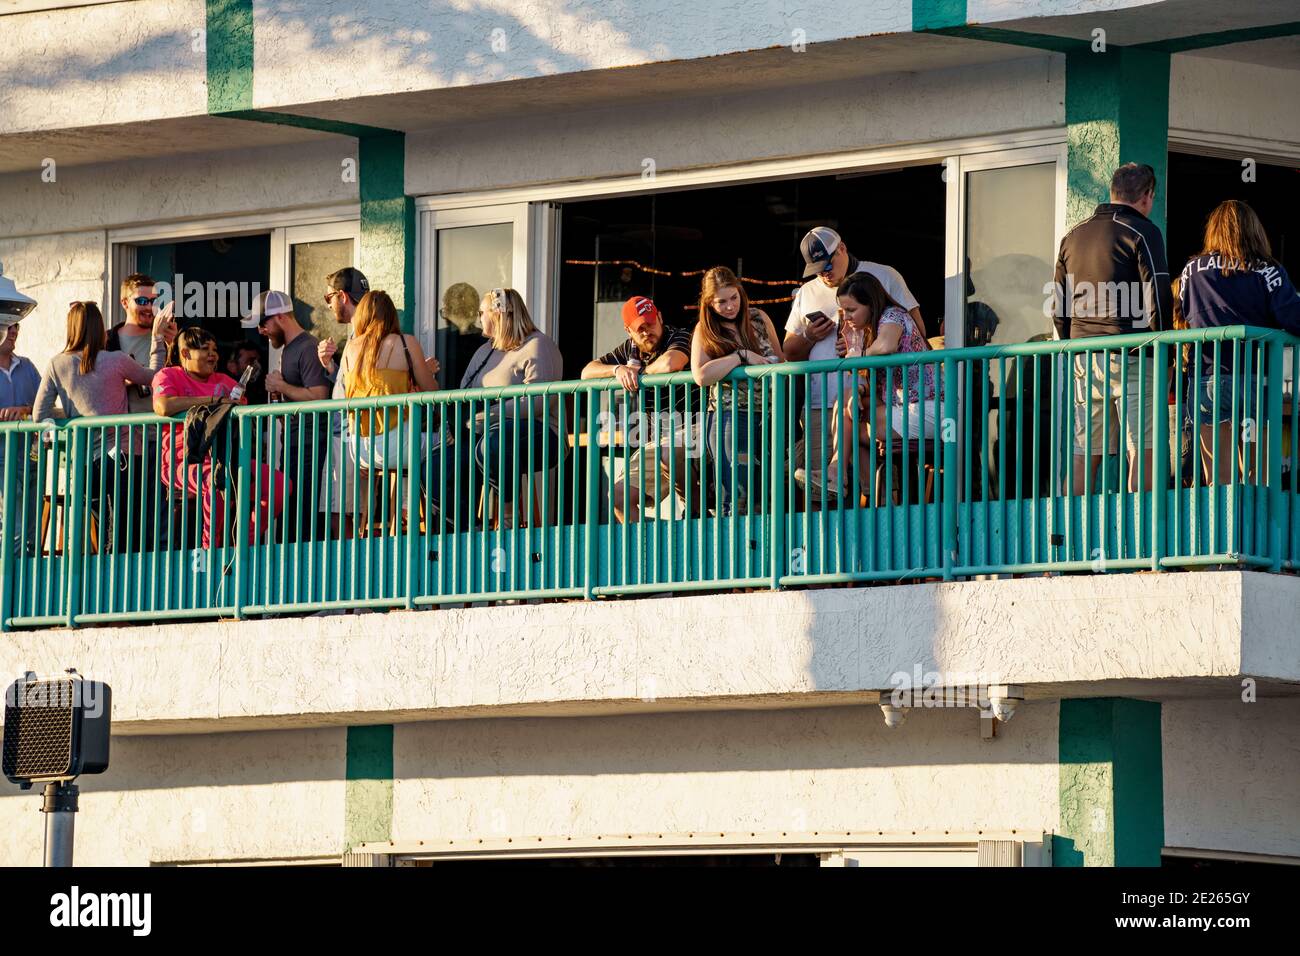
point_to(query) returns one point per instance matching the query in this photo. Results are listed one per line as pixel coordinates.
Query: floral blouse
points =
(912, 340)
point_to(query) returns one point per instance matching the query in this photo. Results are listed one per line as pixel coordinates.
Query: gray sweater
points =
(101, 392)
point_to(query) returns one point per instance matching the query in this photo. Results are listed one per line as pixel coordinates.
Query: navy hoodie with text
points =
(1261, 295)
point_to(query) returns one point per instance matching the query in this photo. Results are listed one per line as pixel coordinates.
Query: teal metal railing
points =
(942, 464)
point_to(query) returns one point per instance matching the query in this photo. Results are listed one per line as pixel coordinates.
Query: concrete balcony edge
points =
(1122, 635)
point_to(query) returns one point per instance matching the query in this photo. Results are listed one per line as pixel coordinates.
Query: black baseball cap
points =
(349, 280)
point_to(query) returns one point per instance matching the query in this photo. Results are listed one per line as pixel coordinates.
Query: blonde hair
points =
(132, 282)
(374, 321)
(511, 323)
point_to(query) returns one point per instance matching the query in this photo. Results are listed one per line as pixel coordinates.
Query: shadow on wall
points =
(253, 758)
(442, 44)
(721, 741)
(488, 42)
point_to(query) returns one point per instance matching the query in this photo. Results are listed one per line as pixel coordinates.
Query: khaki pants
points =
(1110, 381)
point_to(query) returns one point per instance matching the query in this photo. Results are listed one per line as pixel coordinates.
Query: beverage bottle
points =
(249, 374)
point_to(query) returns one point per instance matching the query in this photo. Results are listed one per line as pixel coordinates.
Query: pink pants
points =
(270, 485)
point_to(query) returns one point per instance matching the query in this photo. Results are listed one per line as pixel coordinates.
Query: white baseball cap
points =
(269, 303)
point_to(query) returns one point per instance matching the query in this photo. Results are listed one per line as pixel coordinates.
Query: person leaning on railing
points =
(85, 380)
(906, 403)
(381, 360)
(1234, 280)
(730, 333)
(192, 379)
(515, 353)
(811, 334)
(652, 348)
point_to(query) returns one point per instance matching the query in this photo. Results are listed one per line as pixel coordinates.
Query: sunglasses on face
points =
(329, 296)
(143, 300)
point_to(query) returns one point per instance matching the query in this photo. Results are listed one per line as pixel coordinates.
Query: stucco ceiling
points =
(124, 142)
(1186, 18)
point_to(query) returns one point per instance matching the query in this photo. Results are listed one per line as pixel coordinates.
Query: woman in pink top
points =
(178, 388)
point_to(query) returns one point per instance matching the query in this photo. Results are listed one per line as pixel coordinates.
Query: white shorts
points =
(920, 419)
(336, 476)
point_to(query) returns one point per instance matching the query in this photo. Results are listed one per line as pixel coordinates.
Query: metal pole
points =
(60, 808)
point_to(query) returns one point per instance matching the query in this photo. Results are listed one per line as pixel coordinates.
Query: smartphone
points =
(814, 316)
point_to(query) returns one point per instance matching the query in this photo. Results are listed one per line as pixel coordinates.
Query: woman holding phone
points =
(730, 333)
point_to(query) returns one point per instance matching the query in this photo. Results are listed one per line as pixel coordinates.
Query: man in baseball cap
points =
(811, 330)
(299, 378)
(818, 248)
(267, 304)
(651, 348)
(349, 280)
(343, 290)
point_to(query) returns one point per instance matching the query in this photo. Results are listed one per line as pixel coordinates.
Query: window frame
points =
(539, 272)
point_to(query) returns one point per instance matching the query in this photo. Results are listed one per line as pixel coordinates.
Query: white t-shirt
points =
(816, 296)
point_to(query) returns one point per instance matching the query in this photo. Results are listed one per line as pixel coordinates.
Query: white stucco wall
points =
(212, 797)
(1070, 635)
(160, 189)
(304, 54)
(1232, 98)
(710, 131)
(1232, 772)
(96, 65)
(53, 270)
(798, 770)
(54, 236)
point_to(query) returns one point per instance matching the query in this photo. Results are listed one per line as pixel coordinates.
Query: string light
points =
(617, 262)
(788, 298)
(683, 275)
(786, 282)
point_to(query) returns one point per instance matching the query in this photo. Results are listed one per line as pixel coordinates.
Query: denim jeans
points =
(495, 452)
(727, 434)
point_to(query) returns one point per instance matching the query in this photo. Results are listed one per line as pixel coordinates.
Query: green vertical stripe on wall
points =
(1116, 111)
(387, 213)
(368, 798)
(1111, 783)
(937, 14)
(229, 44)
(388, 221)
